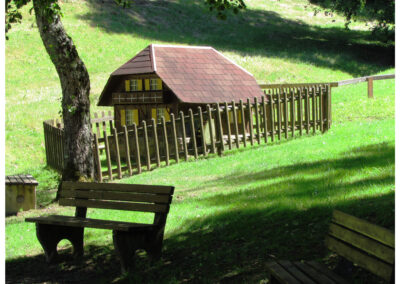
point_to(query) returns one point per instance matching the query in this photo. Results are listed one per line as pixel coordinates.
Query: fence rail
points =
(369, 79)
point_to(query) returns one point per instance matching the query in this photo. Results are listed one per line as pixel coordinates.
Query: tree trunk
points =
(74, 78)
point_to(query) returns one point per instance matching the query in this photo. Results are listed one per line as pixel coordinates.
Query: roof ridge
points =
(181, 46)
(231, 61)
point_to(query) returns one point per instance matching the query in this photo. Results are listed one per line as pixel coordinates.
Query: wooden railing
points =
(369, 79)
(279, 114)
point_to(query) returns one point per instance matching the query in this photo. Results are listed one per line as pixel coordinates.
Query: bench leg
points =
(126, 244)
(50, 235)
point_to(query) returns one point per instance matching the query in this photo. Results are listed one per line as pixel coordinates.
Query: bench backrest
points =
(131, 197)
(363, 243)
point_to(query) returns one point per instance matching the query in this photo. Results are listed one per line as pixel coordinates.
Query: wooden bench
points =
(369, 246)
(127, 237)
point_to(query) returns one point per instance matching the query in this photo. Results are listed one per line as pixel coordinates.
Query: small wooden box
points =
(20, 193)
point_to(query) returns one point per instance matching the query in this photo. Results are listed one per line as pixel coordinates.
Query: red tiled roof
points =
(194, 74)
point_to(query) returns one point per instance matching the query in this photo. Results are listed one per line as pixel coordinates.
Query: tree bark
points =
(75, 84)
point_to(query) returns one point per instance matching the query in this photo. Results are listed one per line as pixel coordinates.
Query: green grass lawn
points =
(230, 214)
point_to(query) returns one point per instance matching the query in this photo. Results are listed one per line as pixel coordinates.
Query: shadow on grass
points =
(252, 32)
(233, 244)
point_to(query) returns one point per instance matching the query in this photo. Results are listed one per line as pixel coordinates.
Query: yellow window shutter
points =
(166, 115)
(239, 117)
(154, 113)
(147, 84)
(140, 85)
(127, 85)
(122, 113)
(136, 116)
(159, 84)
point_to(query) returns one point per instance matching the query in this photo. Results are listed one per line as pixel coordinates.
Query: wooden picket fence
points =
(280, 114)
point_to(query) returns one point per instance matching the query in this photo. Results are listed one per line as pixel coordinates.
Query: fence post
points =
(193, 132)
(219, 127)
(241, 108)
(117, 152)
(107, 155)
(228, 126)
(235, 122)
(97, 158)
(138, 163)
(203, 140)
(185, 150)
(175, 138)
(127, 151)
(155, 136)
(146, 145)
(370, 87)
(210, 128)
(256, 110)
(264, 107)
(166, 146)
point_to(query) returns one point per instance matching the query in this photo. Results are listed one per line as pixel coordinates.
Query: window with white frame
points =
(153, 84)
(134, 85)
(129, 117)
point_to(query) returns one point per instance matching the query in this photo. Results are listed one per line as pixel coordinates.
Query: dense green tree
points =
(382, 11)
(74, 78)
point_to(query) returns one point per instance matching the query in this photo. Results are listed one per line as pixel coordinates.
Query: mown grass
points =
(278, 42)
(230, 214)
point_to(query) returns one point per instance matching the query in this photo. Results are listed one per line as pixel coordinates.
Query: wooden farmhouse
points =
(164, 79)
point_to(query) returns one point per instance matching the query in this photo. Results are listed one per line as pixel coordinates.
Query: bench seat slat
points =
(365, 261)
(87, 222)
(297, 273)
(325, 270)
(125, 196)
(312, 273)
(278, 272)
(363, 227)
(139, 188)
(364, 243)
(143, 207)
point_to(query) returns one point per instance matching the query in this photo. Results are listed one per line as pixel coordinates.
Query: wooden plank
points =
(103, 115)
(295, 272)
(373, 231)
(307, 110)
(96, 123)
(97, 158)
(285, 107)
(293, 111)
(313, 274)
(279, 114)
(212, 141)
(142, 207)
(117, 196)
(88, 223)
(300, 108)
(156, 144)
(166, 146)
(175, 138)
(118, 158)
(138, 188)
(264, 108)
(111, 120)
(108, 158)
(354, 255)
(323, 269)
(228, 126)
(127, 150)
(185, 150)
(250, 118)
(271, 118)
(219, 128)
(137, 149)
(294, 85)
(329, 103)
(203, 138)
(193, 132)
(321, 112)
(314, 110)
(257, 121)
(241, 108)
(146, 145)
(366, 244)
(235, 124)
(279, 273)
